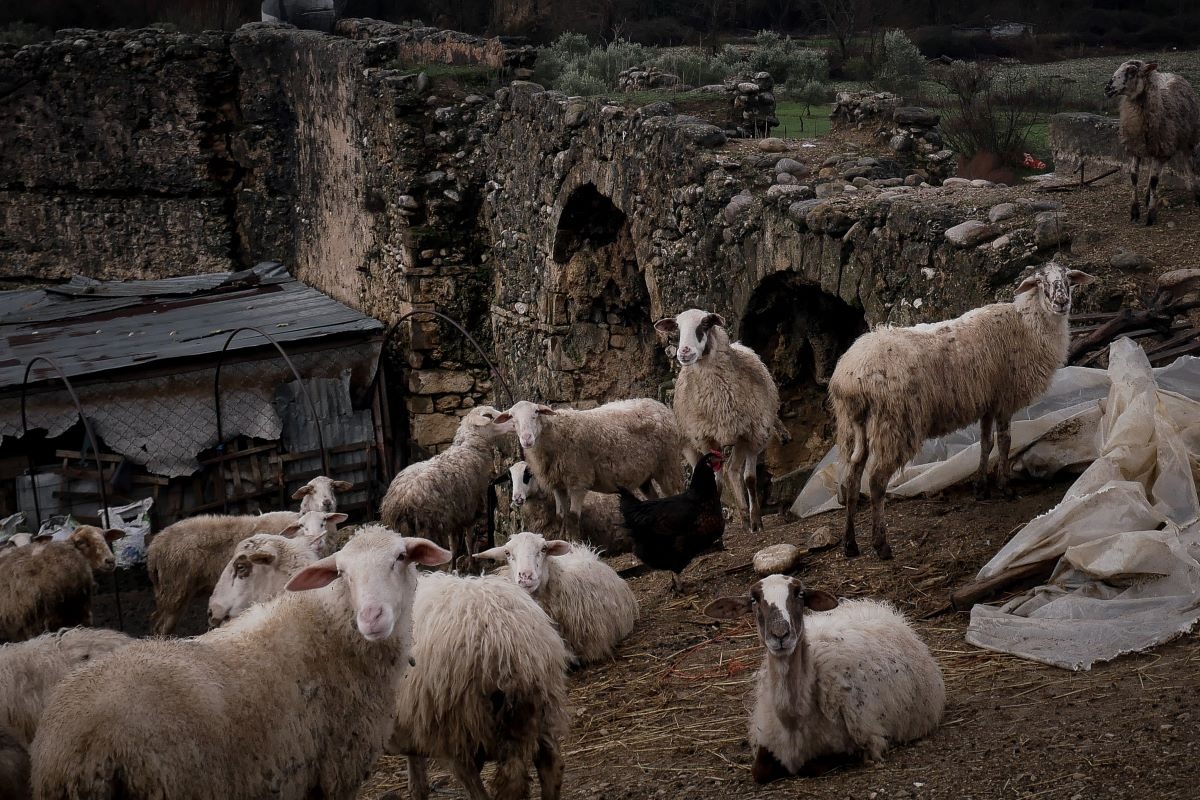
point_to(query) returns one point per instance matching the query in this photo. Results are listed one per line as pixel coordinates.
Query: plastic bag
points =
(134, 519)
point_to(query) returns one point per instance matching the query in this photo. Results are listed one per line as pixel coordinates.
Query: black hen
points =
(669, 532)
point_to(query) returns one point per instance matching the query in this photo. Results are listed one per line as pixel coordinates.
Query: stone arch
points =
(800, 331)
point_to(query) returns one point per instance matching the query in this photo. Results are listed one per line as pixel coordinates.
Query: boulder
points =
(915, 116)
(777, 558)
(971, 233)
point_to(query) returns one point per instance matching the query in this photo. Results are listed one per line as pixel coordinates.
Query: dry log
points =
(966, 596)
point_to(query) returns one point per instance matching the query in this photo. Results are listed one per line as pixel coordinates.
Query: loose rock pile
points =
(911, 132)
(859, 109)
(639, 79)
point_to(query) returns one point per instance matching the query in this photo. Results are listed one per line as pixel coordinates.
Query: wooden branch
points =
(1155, 318)
(1070, 187)
(966, 596)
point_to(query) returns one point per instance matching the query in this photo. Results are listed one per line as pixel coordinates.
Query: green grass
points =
(794, 123)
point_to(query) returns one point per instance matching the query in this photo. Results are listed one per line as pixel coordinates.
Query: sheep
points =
(896, 387)
(49, 585)
(489, 683)
(724, 397)
(320, 494)
(848, 681)
(186, 559)
(628, 443)
(441, 496)
(291, 700)
(476, 687)
(600, 523)
(593, 607)
(1160, 116)
(14, 767)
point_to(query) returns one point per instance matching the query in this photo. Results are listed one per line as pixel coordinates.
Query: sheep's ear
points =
(504, 417)
(1153, 65)
(714, 319)
(728, 607)
(337, 518)
(1030, 283)
(302, 492)
(262, 558)
(42, 537)
(291, 530)
(112, 534)
(314, 576)
(557, 547)
(495, 554)
(423, 551)
(666, 325)
(817, 600)
(342, 486)
(544, 409)
(1079, 277)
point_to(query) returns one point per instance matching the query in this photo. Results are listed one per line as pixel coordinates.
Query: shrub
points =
(659, 31)
(692, 66)
(786, 59)
(23, 33)
(573, 82)
(812, 93)
(903, 66)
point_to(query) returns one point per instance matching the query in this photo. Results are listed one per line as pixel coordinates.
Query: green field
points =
(794, 123)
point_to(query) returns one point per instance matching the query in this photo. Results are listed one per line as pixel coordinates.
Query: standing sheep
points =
(1160, 116)
(896, 387)
(320, 494)
(49, 585)
(593, 607)
(441, 496)
(600, 523)
(724, 397)
(848, 681)
(292, 700)
(626, 443)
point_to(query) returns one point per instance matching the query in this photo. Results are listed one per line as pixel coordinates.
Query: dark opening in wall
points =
(800, 332)
(588, 218)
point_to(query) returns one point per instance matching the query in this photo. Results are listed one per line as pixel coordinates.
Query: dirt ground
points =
(667, 718)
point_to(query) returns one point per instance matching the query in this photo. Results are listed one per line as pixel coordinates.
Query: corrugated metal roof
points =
(91, 326)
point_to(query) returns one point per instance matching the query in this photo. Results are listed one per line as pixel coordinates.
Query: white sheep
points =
(601, 522)
(724, 397)
(48, 585)
(441, 496)
(320, 494)
(628, 443)
(291, 700)
(186, 559)
(849, 681)
(896, 387)
(488, 675)
(1160, 116)
(593, 607)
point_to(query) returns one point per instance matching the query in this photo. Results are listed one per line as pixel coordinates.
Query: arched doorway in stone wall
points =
(601, 343)
(799, 331)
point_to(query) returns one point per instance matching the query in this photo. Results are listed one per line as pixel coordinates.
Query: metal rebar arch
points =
(458, 326)
(304, 389)
(91, 435)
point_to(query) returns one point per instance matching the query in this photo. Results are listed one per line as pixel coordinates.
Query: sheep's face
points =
(522, 479)
(527, 419)
(1054, 284)
(93, 543)
(253, 575)
(778, 603)
(526, 554)
(1130, 79)
(378, 571)
(693, 326)
(313, 526)
(320, 494)
(486, 420)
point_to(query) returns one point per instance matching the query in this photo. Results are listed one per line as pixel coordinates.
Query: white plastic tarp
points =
(1127, 532)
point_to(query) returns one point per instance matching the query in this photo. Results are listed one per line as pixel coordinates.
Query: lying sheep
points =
(49, 585)
(441, 496)
(292, 700)
(724, 397)
(630, 443)
(896, 387)
(320, 494)
(1160, 116)
(848, 681)
(593, 607)
(488, 679)
(186, 559)
(601, 522)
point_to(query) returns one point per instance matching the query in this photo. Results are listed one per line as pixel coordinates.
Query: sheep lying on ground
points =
(259, 570)
(49, 585)
(849, 681)
(630, 443)
(320, 494)
(291, 700)
(29, 671)
(186, 559)
(1160, 116)
(896, 387)
(441, 496)
(593, 607)
(489, 679)
(600, 523)
(724, 397)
